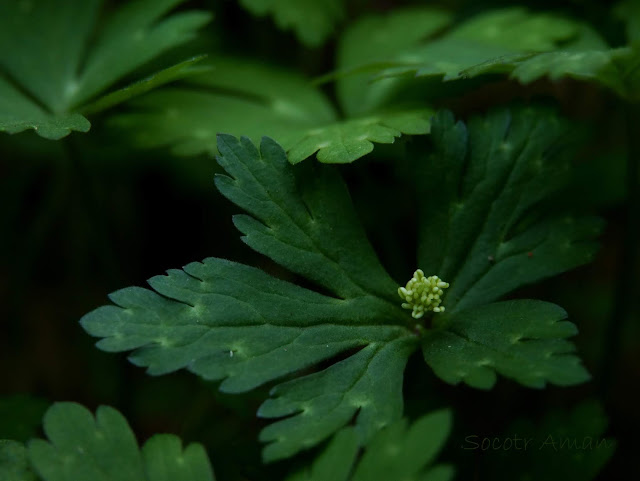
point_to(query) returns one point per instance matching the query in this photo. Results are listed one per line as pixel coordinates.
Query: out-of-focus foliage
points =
(283, 105)
(81, 447)
(49, 89)
(312, 20)
(526, 45)
(399, 451)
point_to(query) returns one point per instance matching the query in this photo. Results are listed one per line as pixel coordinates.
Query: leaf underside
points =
(234, 323)
(48, 90)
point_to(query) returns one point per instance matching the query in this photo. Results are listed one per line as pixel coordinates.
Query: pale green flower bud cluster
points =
(423, 294)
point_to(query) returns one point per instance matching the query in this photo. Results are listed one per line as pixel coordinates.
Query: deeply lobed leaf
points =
(226, 321)
(478, 188)
(308, 226)
(234, 323)
(231, 320)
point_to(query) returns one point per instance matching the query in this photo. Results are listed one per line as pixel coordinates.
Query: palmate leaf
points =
(48, 75)
(82, 447)
(313, 21)
(398, 451)
(234, 323)
(282, 105)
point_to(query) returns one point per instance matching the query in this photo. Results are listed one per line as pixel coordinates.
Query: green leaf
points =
(282, 105)
(228, 321)
(350, 139)
(587, 59)
(398, 451)
(313, 21)
(489, 35)
(479, 187)
(157, 79)
(45, 89)
(367, 384)
(523, 340)
(403, 452)
(234, 323)
(18, 113)
(14, 465)
(336, 461)
(84, 448)
(513, 41)
(166, 460)
(379, 38)
(309, 226)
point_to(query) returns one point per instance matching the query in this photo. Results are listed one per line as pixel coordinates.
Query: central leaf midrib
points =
(270, 293)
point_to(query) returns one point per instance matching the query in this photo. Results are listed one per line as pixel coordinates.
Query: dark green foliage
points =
(84, 448)
(48, 90)
(230, 322)
(480, 186)
(398, 451)
(284, 105)
(492, 134)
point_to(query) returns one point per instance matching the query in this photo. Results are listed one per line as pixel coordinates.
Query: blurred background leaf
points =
(45, 88)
